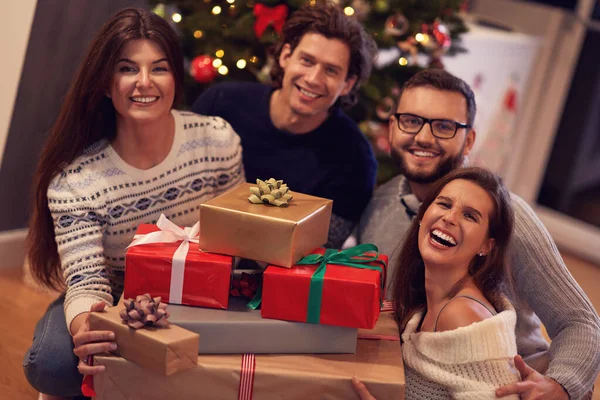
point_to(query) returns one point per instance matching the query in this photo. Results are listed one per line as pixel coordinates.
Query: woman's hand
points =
(88, 343)
(361, 390)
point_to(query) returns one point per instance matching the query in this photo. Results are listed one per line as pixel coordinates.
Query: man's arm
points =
(339, 230)
(543, 281)
(349, 201)
(351, 186)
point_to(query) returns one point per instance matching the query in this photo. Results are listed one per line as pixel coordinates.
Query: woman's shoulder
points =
(92, 161)
(203, 125)
(462, 311)
(488, 338)
(467, 317)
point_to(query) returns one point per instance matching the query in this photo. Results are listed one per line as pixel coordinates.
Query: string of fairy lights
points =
(219, 65)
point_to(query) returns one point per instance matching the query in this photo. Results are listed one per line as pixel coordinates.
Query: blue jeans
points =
(50, 364)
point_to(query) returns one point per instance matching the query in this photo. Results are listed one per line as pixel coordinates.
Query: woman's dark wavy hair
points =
(330, 21)
(490, 273)
(87, 116)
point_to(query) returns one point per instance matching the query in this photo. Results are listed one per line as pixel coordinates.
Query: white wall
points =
(562, 35)
(17, 17)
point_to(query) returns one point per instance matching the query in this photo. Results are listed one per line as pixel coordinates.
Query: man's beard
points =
(442, 169)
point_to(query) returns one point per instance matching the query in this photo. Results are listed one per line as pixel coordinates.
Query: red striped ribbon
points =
(387, 306)
(249, 360)
(247, 377)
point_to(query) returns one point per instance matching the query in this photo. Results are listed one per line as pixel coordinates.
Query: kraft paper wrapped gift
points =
(163, 351)
(241, 330)
(342, 288)
(377, 363)
(156, 263)
(230, 224)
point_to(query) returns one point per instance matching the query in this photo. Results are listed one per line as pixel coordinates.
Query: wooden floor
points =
(21, 307)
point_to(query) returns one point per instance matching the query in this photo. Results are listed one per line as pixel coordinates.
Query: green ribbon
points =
(348, 258)
(255, 302)
(271, 191)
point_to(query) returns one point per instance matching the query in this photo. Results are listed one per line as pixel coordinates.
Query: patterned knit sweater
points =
(469, 362)
(98, 201)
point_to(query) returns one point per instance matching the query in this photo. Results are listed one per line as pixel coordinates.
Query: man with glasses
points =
(431, 134)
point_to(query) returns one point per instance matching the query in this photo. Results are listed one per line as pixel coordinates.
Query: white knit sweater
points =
(469, 362)
(99, 200)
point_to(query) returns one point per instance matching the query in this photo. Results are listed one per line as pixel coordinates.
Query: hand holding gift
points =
(161, 347)
(361, 390)
(88, 341)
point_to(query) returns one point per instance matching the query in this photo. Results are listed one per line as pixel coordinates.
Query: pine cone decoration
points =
(145, 310)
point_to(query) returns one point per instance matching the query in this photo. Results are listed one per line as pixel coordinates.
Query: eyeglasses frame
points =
(457, 125)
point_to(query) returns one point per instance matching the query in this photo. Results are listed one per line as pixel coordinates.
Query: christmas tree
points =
(231, 40)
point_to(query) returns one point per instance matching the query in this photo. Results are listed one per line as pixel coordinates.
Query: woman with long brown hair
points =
(117, 156)
(450, 286)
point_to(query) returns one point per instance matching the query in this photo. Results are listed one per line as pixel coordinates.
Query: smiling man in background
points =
(295, 129)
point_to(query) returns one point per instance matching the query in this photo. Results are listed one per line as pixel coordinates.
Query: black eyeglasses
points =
(440, 128)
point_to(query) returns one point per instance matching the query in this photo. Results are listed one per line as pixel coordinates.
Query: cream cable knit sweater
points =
(470, 362)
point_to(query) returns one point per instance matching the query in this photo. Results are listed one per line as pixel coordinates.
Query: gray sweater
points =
(544, 288)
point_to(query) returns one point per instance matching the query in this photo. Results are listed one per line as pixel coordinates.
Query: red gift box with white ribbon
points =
(164, 260)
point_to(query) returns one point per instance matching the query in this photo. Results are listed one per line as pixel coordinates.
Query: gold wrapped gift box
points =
(378, 363)
(230, 224)
(164, 351)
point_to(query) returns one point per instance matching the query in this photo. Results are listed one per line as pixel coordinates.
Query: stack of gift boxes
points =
(299, 329)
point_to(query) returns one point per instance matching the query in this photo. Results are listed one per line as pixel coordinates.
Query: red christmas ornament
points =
(442, 34)
(266, 16)
(202, 70)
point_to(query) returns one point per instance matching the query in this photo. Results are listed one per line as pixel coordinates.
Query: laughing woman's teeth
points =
(443, 238)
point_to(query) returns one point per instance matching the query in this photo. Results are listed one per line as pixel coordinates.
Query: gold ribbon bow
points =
(271, 191)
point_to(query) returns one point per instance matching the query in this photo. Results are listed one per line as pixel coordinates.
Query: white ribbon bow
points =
(171, 233)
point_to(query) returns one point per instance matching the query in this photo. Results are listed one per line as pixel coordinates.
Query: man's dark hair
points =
(443, 80)
(330, 21)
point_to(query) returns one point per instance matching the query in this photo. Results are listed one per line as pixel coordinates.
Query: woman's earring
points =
(481, 254)
(419, 223)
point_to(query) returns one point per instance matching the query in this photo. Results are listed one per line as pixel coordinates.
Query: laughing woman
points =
(458, 327)
(118, 155)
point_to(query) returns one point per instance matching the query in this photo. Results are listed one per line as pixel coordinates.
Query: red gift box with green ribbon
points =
(342, 288)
